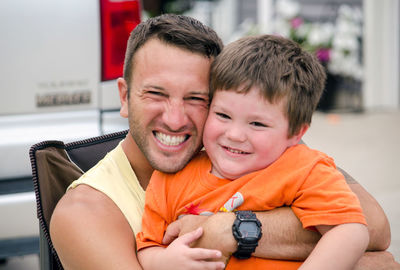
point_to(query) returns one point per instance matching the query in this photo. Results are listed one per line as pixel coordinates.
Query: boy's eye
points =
(222, 115)
(258, 124)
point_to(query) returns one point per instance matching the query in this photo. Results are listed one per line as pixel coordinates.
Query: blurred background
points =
(60, 59)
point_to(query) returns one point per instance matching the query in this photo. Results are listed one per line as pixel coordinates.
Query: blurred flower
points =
(337, 45)
(323, 54)
(296, 22)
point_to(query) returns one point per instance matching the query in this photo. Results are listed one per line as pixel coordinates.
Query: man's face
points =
(168, 104)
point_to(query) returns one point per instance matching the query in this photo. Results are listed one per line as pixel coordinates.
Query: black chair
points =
(54, 166)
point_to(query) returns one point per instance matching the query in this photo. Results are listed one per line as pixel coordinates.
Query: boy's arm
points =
(340, 247)
(179, 255)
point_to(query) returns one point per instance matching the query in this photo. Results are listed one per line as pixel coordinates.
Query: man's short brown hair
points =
(177, 30)
(279, 67)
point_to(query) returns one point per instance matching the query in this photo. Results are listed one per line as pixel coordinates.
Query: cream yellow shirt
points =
(114, 176)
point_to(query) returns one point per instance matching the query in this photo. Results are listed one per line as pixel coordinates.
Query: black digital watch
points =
(246, 230)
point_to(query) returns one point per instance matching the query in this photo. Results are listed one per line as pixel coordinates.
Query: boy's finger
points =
(200, 254)
(212, 265)
(190, 237)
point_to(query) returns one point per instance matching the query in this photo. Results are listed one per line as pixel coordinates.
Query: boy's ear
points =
(297, 137)
(123, 97)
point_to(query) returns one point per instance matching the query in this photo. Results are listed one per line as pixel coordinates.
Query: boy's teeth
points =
(169, 140)
(235, 151)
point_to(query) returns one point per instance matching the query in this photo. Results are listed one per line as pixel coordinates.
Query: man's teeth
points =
(170, 140)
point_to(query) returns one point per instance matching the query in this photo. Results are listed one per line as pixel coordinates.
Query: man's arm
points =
(378, 224)
(89, 232)
(283, 235)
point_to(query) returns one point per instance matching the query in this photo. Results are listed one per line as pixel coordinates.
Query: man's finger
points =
(171, 233)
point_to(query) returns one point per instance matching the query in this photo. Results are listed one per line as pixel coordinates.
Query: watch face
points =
(249, 229)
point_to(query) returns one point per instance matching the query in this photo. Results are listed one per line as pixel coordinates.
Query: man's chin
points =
(170, 167)
(171, 162)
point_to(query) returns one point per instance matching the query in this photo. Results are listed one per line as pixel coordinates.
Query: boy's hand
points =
(179, 255)
(217, 232)
(182, 226)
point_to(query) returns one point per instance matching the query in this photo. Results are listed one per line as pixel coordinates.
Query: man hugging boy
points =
(264, 90)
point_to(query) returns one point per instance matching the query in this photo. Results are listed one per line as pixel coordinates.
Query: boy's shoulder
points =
(200, 159)
(304, 152)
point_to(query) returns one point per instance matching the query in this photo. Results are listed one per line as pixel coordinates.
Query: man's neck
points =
(138, 161)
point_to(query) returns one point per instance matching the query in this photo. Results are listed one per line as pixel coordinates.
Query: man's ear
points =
(297, 137)
(123, 97)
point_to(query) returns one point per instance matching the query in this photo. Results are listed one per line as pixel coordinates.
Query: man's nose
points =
(175, 116)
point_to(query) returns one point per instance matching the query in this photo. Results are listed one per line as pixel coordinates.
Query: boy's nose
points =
(235, 133)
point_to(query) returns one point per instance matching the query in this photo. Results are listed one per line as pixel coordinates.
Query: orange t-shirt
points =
(305, 179)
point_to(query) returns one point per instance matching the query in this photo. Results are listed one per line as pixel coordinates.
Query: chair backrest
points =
(54, 166)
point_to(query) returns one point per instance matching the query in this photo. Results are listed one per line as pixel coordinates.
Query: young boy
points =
(264, 91)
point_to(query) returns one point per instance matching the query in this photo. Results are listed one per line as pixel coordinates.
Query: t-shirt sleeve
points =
(326, 199)
(154, 222)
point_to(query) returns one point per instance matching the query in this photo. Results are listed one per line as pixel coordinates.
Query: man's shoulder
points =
(79, 221)
(81, 201)
(88, 206)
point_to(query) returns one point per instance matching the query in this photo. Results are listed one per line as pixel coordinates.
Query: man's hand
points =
(381, 260)
(179, 255)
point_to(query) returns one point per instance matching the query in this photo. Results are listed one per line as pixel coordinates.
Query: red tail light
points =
(118, 18)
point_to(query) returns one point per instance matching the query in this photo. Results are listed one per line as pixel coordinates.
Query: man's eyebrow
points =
(199, 93)
(154, 86)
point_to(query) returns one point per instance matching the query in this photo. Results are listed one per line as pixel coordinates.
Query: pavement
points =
(364, 144)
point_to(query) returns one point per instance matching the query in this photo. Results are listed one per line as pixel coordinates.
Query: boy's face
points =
(244, 133)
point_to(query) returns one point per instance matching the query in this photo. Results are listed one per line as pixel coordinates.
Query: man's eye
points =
(156, 93)
(197, 99)
(258, 124)
(222, 115)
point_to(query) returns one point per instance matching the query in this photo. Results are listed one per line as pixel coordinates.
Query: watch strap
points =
(244, 251)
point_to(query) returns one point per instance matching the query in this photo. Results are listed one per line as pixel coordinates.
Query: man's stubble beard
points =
(142, 141)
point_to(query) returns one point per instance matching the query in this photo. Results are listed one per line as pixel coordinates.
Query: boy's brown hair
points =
(279, 67)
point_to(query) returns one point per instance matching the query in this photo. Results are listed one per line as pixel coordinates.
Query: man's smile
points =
(170, 140)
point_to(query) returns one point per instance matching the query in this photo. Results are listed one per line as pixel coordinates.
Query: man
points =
(164, 94)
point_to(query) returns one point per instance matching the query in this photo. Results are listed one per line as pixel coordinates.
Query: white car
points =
(58, 65)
